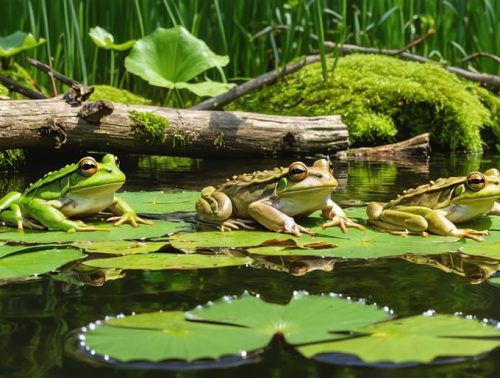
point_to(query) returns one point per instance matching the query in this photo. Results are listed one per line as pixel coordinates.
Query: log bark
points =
(53, 123)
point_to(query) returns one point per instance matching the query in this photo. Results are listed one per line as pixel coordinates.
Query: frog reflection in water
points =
(475, 269)
(77, 190)
(437, 206)
(272, 198)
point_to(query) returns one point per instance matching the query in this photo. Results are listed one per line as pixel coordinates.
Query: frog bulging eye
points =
(330, 167)
(297, 171)
(87, 166)
(475, 181)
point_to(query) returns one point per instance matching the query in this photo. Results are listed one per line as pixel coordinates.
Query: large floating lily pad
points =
(17, 42)
(161, 261)
(160, 228)
(415, 339)
(161, 202)
(249, 324)
(26, 264)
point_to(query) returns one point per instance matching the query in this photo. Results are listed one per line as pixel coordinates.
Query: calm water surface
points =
(36, 317)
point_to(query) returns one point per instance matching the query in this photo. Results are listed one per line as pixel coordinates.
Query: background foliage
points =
(256, 37)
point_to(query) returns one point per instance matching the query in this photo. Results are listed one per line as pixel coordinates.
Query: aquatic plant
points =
(381, 99)
(15, 43)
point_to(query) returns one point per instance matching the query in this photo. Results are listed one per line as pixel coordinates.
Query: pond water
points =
(36, 317)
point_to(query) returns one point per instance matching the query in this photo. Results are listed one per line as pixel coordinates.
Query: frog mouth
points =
(309, 190)
(103, 188)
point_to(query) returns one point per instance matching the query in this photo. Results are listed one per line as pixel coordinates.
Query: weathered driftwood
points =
(53, 123)
(416, 146)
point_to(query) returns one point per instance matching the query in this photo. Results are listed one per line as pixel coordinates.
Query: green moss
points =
(382, 99)
(21, 76)
(106, 92)
(10, 160)
(3, 91)
(152, 125)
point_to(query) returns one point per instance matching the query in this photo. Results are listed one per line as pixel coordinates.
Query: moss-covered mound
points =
(382, 99)
(106, 92)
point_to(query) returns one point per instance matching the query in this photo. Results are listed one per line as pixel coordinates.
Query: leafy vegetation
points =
(383, 98)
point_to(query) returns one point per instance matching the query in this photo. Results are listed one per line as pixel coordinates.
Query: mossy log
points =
(53, 123)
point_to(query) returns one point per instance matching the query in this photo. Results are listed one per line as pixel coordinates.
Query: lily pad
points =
(34, 263)
(419, 339)
(17, 42)
(160, 202)
(171, 57)
(161, 261)
(105, 40)
(118, 247)
(248, 325)
(122, 232)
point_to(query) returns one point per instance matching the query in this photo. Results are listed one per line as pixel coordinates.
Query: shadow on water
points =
(37, 316)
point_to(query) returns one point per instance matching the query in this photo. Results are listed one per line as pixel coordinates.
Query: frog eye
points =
(475, 181)
(297, 171)
(330, 167)
(117, 161)
(87, 166)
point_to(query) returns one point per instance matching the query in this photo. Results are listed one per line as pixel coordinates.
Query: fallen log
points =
(106, 126)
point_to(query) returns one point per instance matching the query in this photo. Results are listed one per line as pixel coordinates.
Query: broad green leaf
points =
(103, 39)
(160, 228)
(160, 202)
(35, 263)
(160, 261)
(490, 246)
(415, 339)
(206, 88)
(169, 337)
(17, 42)
(11, 249)
(248, 325)
(171, 57)
(118, 247)
(494, 281)
(306, 318)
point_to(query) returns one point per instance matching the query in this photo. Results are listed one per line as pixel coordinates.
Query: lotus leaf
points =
(17, 42)
(160, 261)
(22, 265)
(159, 228)
(249, 324)
(160, 202)
(103, 39)
(171, 57)
(118, 247)
(415, 339)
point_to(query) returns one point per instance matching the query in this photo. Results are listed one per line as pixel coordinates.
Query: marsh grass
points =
(257, 35)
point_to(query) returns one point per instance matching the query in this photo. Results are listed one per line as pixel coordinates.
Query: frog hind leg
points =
(275, 220)
(53, 219)
(216, 208)
(411, 221)
(439, 224)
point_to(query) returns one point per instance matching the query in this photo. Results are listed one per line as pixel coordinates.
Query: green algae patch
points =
(107, 92)
(152, 125)
(382, 99)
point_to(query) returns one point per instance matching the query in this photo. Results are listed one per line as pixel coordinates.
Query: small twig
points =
(48, 70)
(51, 74)
(19, 88)
(415, 42)
(481, 54)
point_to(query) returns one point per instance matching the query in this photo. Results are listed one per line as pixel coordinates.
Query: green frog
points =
(437, 206)
(77, 190)
(273, 197)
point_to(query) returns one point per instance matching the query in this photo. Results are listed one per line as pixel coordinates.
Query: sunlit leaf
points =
(160, 202)
(118, 247)
(171, 57)
(249, 324)
(415, 339)
(160, 261)
(105, 40)
(123, 232)
(17, 42)
(34, 263)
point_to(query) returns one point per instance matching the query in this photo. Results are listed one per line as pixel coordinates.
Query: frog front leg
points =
(495, 210)
(439, 224)
(10, 211)
(125, 214)
(46, 213)
(216, 208)
(336, 217)
(275, 220)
